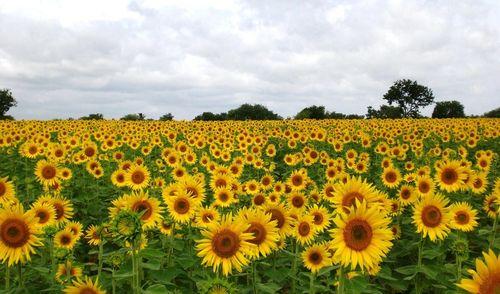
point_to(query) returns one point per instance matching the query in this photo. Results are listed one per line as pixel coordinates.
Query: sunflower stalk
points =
(20, 275)
(100, 260)
(340, 280)
(254, 277)
(418, 288)
(312, 277)
(294, 265)
(7, 277)
(493, 234)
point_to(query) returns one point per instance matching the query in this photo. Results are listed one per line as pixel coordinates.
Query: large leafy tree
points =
(409, 96)
(493, 113)
(167, 116)
(93, 116)
(448, 109)
(385, 111)
(252, 112)
(7, 101)
(312, 112)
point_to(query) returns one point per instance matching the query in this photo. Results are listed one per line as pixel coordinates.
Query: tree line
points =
(405, 98)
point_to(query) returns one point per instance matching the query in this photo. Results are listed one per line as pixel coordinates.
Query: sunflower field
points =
(293, 206)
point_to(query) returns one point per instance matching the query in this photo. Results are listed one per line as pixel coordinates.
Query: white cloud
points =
(67, 58)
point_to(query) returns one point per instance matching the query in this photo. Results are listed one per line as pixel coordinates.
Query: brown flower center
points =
(225, 243)
(278, 217)
(358, 234)
(259, 232)
(304, 229)
(14, 233)
(49, 172)
(315, 258)
(181, 206)
(138, 177)
(144, 207)
(431, 216)
(449, 176)
(462, 217)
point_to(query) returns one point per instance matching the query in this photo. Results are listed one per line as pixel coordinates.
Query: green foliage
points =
(167, 116)
(385, 111)
(6, 102)
(210, 116)
(409, 96)
(448, 109)
(134, 116)
(244, 112)
(493, 113)
(93, 116)
(319, 112)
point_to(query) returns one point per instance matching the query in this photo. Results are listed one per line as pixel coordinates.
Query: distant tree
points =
(312, 112)
(93, 116)
(493, 113)
(252, 112)
(385, 111)
(6, 102)
(409, 96)
(210, 116)
(133, 116)
(335, 115)
(167, 116)
(448, 109)
(354, 116)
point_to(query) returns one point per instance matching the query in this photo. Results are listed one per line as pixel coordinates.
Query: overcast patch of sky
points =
(70, 58)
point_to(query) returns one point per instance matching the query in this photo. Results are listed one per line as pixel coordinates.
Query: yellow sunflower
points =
(138, 177)
(65, 239)
(148, 207)
(181, 207)
(486, 277)
(45, 213)
(362, 237)
(206, 215)
(464, 218)
(450, 176)
(7, 191)
(298, 180)
(391, 177)
(93, 235)
(226, 245)
(304, 229)
(283, 219)
(264, 230)
(491, 205)
(321, 217)
(67, 271)
(316, 257)
(424, 185)
(224, 197)
(407, 195)
(346, 194)
(47, 173)
(18, 234)
(86, 286)
(432, 217)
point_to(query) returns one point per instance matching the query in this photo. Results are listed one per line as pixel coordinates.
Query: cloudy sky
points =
(70, 58)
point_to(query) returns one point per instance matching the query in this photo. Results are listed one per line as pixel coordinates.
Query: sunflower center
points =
(329, 191)
(405, 194)
(3, 189)
(431, 216)
(225, 243)
(220, 183)
(491, 284)
(259, 232)
(58, 153)
(278, 217)
(298, 201)
(390, 177)
(461, 217)
(259, 199)
(89, 151)
(87, 290)
(304, 229)
(120, 178)
(48, 172)
(138, 177)
(478, 183)
(144, 207)
(315, 258)
(223, 196)
(181, 206)
(65, 240)
(207, 217)
(32, 150)
(317, 218)
(358, 234)
(350, 198)
(297, 180)
(424, 187)
(449, 176)
(59, 211)
(14, 233)
(43, 216)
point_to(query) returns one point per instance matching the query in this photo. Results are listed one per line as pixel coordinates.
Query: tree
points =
(167, 116)
(312, 112)
(252, 112)
(210, 116)
(93, 116)
(6, 102)
(134, 116)
(385, 111)
(409, 96)
(493, 113)
(448, 109)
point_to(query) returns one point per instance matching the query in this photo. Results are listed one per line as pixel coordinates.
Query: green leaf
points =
(156, 289)
(268, 288)
(407, 270)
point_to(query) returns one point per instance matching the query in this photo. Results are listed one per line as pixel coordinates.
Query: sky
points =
(71, 58)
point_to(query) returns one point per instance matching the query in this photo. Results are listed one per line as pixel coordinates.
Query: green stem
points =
(459, 267)
(340, 278)
(311, 283)
(52, 260)
(20, 273)
(254, 277)
(134, 272)
(294, 265)
(493, 234)
(7, 277)
(113, 282)
(100, 260)
(418, 289)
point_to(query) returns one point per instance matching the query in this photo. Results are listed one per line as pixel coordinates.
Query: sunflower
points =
(224, 197)
(450, 176)
(167, 228)
(7, 191)
(67, 271)
(298, 180)
(391, 177)
(478, 183)
(316, 257)
(346, 194)
(304, 229)
(75, 228)
(47, 173)
(407, 195)
(193, 186)
(45, 213)
(148, 207)
(491, 205)
(65, 239)
(93, 234)
(181, 207)
(424, 185)
(18, 234)
(137, 177)
(486, 277)
(119, 178)
(463, 217)
(86, 286)
(321, 217)
(283, 219)
(362, 237)
(225, 244)
(206, 215)
(297, 201)
(432, 217)
(264, 230)
(64, 209)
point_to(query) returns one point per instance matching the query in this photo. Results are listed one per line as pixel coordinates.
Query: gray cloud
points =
(146, 56)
